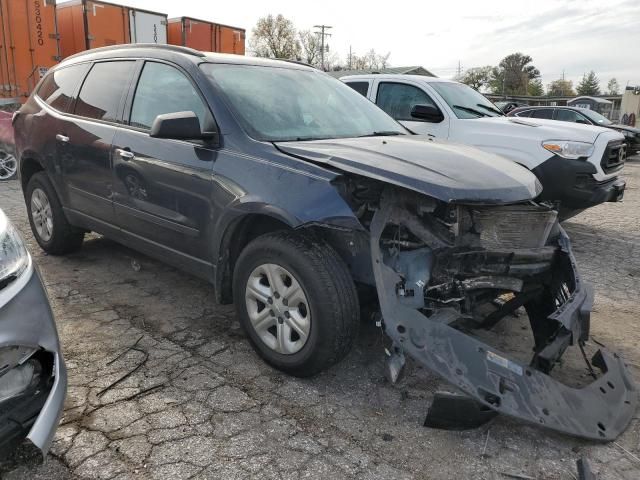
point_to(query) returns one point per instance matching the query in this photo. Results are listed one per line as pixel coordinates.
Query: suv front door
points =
(163, 187)
(399, 98)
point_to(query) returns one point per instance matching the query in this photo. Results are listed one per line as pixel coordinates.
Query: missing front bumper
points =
(599, 411)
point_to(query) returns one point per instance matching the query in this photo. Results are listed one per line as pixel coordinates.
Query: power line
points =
(322, 34)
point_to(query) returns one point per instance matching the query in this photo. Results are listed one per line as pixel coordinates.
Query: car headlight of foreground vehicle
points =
(14, 258)
(17, 370)
(569, 149)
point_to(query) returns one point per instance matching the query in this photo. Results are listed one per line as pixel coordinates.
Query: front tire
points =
(296, 301)
(48, 222)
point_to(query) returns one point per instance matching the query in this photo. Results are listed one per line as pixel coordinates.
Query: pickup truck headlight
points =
(14, 257)
(568, 149)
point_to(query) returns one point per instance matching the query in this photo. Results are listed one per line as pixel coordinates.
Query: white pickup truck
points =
(578, 165)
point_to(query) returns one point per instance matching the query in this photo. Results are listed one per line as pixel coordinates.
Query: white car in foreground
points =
(578, 165)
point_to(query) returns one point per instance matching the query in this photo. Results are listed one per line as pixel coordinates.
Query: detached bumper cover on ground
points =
(599, 411)
(26, 321)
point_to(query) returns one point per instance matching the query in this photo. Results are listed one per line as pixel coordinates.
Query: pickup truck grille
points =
(613, 157)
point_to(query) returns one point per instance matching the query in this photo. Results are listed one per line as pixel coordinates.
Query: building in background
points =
(630, 107)
(413, 70)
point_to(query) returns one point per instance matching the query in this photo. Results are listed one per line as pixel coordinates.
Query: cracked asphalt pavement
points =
(201, 404)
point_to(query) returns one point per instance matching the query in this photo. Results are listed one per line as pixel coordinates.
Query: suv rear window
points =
(361, 87)
(58, 87)
(542, 113)
(102, 90)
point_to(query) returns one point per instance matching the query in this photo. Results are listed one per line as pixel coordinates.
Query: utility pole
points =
(459, 69)
(322, 34)
(350, 56)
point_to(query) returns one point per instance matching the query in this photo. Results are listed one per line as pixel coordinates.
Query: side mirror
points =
(584, 122)
(178, 126)
(428, 113)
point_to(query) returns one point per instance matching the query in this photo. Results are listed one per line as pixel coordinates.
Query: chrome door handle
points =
(62, 138)
(125, 154)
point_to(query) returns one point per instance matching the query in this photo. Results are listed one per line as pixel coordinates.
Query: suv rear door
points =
(398, 98)
(162, 187)
(85, 140)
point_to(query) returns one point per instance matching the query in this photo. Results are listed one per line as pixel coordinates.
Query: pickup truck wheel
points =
(296, 301)
(48, 222)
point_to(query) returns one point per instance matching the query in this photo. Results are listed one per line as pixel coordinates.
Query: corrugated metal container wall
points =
(28, 45)
(230, 39)
(87, 24)
(192, 33)
(206, 36)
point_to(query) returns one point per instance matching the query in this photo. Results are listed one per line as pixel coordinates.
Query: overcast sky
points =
(571, 35)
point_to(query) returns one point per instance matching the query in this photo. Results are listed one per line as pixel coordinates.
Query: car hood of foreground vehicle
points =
(445, 171)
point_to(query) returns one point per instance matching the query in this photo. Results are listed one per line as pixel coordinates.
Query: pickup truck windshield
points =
(465, 101)
(277, 104)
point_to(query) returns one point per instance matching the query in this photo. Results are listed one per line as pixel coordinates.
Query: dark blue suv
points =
(297, 198)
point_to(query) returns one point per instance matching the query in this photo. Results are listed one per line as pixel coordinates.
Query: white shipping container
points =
(147, 27)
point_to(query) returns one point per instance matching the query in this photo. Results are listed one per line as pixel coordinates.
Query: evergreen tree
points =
(589, 85)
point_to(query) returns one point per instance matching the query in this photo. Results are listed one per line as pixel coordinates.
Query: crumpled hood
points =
(540, 128)
(446, 171)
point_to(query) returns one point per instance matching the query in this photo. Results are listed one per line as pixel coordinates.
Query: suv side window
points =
(361, 87)
(542, 113)
(398, 99)
(59, 87)
(565, 115)
(102, 90)
(164, 89)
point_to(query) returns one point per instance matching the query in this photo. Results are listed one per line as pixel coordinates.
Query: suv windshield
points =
(278, 104)
(465, 101)
(595, 117)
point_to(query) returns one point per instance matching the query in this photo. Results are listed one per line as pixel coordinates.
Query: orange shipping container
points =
(87, 24)
(206, 36)
(28, 45)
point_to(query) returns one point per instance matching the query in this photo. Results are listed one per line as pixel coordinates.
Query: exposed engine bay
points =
(445, 270)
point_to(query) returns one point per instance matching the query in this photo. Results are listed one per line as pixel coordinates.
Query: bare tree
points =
(477, 77)
(310, 45)
(612, 87)
(369, 61)
(275, 37)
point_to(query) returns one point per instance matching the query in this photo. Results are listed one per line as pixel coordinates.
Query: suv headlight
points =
(14, 257)
(568, 149)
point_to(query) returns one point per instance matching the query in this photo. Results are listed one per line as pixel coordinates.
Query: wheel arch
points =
(351, 243)
(28, 165)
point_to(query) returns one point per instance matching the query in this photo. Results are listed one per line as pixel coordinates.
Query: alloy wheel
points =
(278, 308)
(8, 165)
(41, 214)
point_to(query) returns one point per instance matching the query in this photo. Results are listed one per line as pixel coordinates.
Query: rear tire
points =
(48, 222)
(317, 328)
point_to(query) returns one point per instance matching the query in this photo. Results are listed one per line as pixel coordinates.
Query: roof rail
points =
(297, 62)
(125, 46)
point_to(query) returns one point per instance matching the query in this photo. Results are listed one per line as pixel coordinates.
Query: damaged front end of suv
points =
(439, 271)
(456, 244)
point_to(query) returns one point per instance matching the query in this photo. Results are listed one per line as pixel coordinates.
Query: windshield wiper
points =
(491, 109)
(383, 133)
(471, 110)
